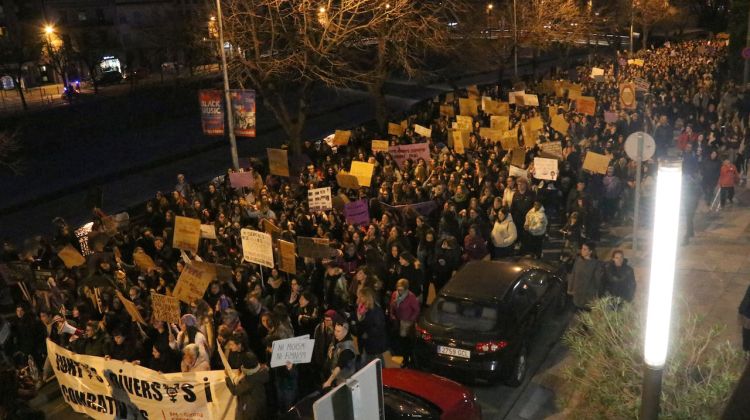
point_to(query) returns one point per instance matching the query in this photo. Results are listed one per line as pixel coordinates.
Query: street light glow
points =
(663, 254)
(490, 6)
(322, 9)
(49, 29)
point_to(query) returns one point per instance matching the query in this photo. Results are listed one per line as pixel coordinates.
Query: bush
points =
(606, 346)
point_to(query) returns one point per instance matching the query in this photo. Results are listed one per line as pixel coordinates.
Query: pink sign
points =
(410, 151)
(241, 179)
(356, 212)
(610, 117)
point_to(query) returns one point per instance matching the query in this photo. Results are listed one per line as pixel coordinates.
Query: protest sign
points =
(499, 122)
(636, 62)
(447, 111)
(314, 247)
(357, 213)
(71, 257)
(627, 95)
(341, 137)
(509, 140)
(257, 247)
(461, 135)
(530, 100)
(379, 146)
(517, 172)
(449, 97)
(423, 131)
(395, 129)
(560, 88)
(288, 259)
(106, 389)
(641, 84)
(241, 180)
(187, 234)
(548, 86)
(586, 105)
(473, 91)
(515, 96)
(530, 136)
(458, 142)
(363, 171)
(467, 106)
(574, 92)
(339, 201)
(596, 163)
(130, 307)
(464, 123)
(208, 232)
(271, 229)
(165, 308)
(597, 74)
(143, 261)
(278, 162)
(212, 112)
(488, 133)
(293, 350)
(536, 123)
(552, 148)
(560, 124)
(610, 117)
(319, 199)
(346, 180)
(243, 110)
(193, 281)
(545, 169)
(517, 157)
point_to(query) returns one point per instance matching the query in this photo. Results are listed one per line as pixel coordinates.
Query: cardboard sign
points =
(130, 307)
(517, 157)
(71, 257)
(552, 148)
(395, 130)
(490, 133)
(610, 117)
(241, 180)
(346, 180)
(187, 234)
(574, 92)
(193, 281)
(586, 105)
(363, 171)
(458, 143)
(467, 106)
(288, 263)
(257, 247)
(379, 146)
(464, 123)
(294, 350)
(208, 232)
(509, 140)
(536, 124)
(597, 74)
(560, 124)
(271, 229)
(165, 308)
(357, 213)
(461, 135)
(530, 100)
(529, 136)
(545, 169)
(636, 62)
(515, 96)
(596, 163)
(314, 247)
(423, 131)
(517, 172)
(278, 162)
(143, 261)
(319, 199)
(500, 122)
(447, 111)
(341, 137)
(627, 95)
(548, 86)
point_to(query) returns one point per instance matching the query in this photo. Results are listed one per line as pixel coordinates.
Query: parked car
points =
(411, 394)
(482, 322)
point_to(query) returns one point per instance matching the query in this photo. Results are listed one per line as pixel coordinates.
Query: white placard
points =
(545, 169)
(208, 232)
(319, 199)
(518, 172)
(257, 247)
(295, 350)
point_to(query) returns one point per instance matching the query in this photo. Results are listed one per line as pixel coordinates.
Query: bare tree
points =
(17, 50)
(283, 49)
(9, 151)
(543, 24)
(650, 13)
(88, 47)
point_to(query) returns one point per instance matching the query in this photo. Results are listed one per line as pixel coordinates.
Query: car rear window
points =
(464, 315)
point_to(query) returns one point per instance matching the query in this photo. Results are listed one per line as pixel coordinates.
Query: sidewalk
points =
(711, 277)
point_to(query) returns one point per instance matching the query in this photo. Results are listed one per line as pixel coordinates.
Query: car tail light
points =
(490, 346)
(423, 334)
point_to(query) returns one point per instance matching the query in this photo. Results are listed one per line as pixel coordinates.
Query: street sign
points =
(648, 148)
(746, 53)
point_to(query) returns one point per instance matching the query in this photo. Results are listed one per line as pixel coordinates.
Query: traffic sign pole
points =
(637, 191)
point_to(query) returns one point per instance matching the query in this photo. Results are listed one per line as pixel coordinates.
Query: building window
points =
(82, 16)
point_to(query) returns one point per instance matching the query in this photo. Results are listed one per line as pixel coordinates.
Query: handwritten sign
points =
(423, 131)
(130, 307)
(379, 146)
(241, 180)
(346, 180)
(395, 130)
(464, 123)
(560, 124)
(71, 257)
(363, 171)
(319, 199)
(586, 105)
(165, 308)
(457, 136)
(596, 162)
(500, 122)
(257, 247)
(545, 169)
(193, 281)
(278, 162)
(552, 148)
(341, 137)
(490, 133)
(314, 247)
(467, 106)
(447, 111)
(187, 234)
(518, 157)
(509, 140)
(288, 258)
(356, 212)
(517, 172)
(294, 350)
(530, 99)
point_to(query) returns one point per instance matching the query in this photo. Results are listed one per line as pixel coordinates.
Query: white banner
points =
(257, 247)
(319, 199)
(112, 389)
(294, 350)
(545, 168)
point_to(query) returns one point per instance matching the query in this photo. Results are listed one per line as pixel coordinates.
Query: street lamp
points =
(661, 282)
(49, 29)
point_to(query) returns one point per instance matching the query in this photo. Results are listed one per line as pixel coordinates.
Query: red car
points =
(411, 394)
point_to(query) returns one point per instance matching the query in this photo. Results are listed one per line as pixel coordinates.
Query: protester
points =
(619, 277)
(249, 385)
(585, 281)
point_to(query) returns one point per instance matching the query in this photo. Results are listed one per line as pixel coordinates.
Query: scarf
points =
(400, 298)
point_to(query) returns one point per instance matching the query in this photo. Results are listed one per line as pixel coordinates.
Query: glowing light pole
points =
(661, 282)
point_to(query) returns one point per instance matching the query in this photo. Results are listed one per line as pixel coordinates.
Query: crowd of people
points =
(427, 218)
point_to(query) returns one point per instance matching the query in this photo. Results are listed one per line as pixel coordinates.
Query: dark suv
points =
(481, 323)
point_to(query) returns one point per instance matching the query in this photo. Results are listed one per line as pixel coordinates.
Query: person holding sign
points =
(249, 386)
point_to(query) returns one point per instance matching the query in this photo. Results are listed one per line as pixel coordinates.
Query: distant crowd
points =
(427, 218)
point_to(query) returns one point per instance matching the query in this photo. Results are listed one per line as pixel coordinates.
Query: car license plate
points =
(452, 351)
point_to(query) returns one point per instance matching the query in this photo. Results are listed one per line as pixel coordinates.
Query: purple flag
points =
(356, 212)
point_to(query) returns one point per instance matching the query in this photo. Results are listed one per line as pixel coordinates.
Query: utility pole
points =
(515, 42)
(227, 95)
(746, 72)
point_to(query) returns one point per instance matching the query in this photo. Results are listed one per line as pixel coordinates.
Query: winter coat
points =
(536, 222)
(620, 281)
(372, 331)
(585, 281)
(613, 186)
(710, 170)
(408, 310)
(728, 177)
(251, 396)
(504, 233)
(475, 247)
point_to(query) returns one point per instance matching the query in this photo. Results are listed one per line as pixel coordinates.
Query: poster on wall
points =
(212, 112)
(243, 110)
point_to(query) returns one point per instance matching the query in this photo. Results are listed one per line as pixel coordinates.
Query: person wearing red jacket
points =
(728, 178)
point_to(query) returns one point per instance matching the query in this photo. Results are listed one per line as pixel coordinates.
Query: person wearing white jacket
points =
(536, 226)
(503, 235)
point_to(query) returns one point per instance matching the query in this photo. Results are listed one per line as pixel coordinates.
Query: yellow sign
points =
(363, 171)
(380, 146)
(71, 257)
(464, 123)
(559, 124)
(596, 163)
(278, 162)
(509, 140)
(288, 263)
(341, 138)
(499, 122)
(467, 106)
(395, 129)
(187, 234)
